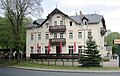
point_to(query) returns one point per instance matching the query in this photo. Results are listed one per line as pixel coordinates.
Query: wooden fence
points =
(55, 57)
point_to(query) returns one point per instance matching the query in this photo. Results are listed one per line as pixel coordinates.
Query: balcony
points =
(102, 31)
(58, 28)
(56, 41)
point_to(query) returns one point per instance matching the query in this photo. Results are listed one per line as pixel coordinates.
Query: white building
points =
(64, 34)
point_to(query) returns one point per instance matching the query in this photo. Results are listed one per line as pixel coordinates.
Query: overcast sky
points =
(110, 9)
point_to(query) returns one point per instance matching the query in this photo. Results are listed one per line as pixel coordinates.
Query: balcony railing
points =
(56, 41)
(102, 31)
(58, 28)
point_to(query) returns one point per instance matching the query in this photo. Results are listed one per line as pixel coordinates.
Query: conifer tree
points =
(90, 56)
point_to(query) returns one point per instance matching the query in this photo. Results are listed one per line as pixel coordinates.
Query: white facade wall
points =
(95, 29)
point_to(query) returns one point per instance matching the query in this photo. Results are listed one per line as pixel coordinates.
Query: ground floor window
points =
(39, 50)
(70, 49)
(46, 49)
(31, 49)
(80, 49)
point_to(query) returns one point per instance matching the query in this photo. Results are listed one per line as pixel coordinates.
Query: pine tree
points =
(90, 56)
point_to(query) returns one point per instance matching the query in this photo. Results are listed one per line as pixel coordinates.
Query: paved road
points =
(21, 72)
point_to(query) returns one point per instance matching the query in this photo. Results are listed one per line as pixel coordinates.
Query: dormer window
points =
(84, 22)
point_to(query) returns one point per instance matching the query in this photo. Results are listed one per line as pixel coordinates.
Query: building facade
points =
(60, 33)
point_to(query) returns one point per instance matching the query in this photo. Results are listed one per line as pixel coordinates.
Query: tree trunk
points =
(10, 53)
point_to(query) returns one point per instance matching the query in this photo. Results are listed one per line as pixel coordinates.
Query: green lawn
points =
(45, 66)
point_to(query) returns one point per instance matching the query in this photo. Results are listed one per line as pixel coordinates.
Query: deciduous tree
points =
(16, 11)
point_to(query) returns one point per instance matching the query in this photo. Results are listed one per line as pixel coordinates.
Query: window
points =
(47, 25)
(70, 23)
(55, 35)
(61, 22)
(55, 22)
(80, 49)
(70, 49)
(79, 35)
(46, 50)
(61, 35)
(32, 37)
(84, 22)
(39, 50)
(58, 16)
(39, 36)
(31, 49)
(70, 35)
(47, 36)
(89, 33)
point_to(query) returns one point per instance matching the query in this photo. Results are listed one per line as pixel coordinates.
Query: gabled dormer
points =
(84, 20)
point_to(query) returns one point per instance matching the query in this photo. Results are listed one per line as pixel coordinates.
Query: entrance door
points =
(57, 49)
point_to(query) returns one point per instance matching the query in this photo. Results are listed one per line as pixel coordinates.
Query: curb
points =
(64, 71)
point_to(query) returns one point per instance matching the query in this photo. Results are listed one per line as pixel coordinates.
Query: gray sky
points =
(110, 9)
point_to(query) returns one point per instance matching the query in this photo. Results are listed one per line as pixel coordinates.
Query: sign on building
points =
(116, 41)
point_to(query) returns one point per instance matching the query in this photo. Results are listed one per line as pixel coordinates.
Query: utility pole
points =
(119, 54)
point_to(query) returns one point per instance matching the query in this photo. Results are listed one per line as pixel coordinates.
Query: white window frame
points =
(32, 36)
(55, 35)
(79, 49)
(31, 48)
(70, 35)
(46, 49)
(71, 48)
(47, 36)
(39, 49)
(39, 36)
(55, 23)
(79, 34)
(61, 22)
(61, 35)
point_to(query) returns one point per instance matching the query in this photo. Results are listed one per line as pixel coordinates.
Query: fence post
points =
(73, 62)
(48, 61)
(55, 61)
(63, 62)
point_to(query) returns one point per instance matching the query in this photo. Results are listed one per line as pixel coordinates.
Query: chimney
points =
(76, 13)
(81, 13)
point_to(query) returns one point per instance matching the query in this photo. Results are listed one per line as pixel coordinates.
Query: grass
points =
(45, 66)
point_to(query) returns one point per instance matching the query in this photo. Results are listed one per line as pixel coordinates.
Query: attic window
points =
(46, 23)
(58, 16)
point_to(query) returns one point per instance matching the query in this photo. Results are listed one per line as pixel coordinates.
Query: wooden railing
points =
(56, 41)
(54, 56)
(57, 28)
